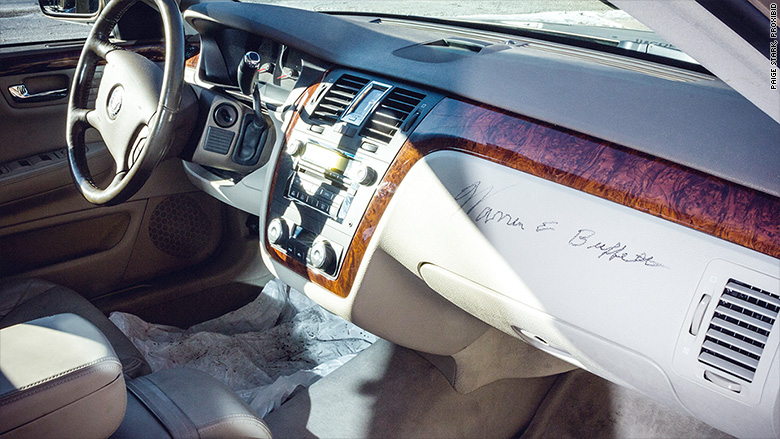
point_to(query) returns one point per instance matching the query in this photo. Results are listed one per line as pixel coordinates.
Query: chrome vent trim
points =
(739, 329)
(390, 115)
(337, 99)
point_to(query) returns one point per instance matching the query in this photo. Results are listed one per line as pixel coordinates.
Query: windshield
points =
(595, 20)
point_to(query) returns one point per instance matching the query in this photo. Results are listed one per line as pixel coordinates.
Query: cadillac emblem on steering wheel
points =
(115, 101)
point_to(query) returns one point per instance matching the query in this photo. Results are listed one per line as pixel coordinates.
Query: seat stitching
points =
(222, 418)
(83, 366)
(23, 394)
(247, 419)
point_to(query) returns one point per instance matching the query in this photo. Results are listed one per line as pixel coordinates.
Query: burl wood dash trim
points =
(192, 62)
(62, 59)
(649, 184)
(289, 262)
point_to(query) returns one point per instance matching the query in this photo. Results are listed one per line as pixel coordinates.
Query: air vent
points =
(740, 329)
(337, 99)
(391, 114)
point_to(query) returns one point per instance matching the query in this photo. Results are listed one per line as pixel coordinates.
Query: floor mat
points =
(263, 351)
(583, 406)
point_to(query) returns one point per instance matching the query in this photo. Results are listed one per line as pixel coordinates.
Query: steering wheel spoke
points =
(82, 116)
(102, 48)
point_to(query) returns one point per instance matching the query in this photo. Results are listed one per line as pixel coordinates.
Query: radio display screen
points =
(325, 158)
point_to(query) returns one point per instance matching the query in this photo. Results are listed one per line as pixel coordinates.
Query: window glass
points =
(21, 21)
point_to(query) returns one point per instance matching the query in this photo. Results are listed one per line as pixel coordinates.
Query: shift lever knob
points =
(247, 69)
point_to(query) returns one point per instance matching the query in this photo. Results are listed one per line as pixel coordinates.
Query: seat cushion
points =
(58, 373)
(28, 299)
(186, 403)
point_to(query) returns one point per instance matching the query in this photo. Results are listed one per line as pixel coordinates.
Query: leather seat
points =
(168, 404)
(186, 403)
(56, 373)
(29, 299)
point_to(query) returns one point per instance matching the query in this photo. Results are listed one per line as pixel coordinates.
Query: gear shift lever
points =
(253, 132)
(247, 69)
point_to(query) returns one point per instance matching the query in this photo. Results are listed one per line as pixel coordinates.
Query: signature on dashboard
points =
(475, 201)
(488, 213)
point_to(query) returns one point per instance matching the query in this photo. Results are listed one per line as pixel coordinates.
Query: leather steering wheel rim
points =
(136, 150)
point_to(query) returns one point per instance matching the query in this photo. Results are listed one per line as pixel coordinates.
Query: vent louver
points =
(739, 329)
(337, 99)
(391, 114)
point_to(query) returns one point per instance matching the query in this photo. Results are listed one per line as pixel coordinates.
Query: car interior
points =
(551, 234)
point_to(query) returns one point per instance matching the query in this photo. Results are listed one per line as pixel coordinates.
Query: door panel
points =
(86, 250)
(105, 232)
(47, 170)
(30, 128)
(48, 230)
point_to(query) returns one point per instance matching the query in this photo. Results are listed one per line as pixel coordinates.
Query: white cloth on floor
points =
(263, 351)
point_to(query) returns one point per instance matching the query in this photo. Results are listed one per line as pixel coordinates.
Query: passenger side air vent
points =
(337, 99)
(391, 114)
(739, 329)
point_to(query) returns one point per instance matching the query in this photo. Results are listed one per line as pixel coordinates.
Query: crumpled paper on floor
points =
(263, 351)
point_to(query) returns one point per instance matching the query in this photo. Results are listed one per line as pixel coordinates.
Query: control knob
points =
(277, 231)
(295, 147)
(364, 175)
(322, 256)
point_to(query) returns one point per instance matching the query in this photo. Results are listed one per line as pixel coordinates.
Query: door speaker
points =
(179, 227)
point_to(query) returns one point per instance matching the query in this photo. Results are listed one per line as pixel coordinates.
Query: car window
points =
(21, 21)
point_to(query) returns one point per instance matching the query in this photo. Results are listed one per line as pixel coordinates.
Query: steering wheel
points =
(135, 107)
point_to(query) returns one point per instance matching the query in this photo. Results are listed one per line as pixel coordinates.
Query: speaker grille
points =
(179, 227)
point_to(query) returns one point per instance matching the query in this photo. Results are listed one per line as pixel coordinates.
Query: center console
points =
(336, 154)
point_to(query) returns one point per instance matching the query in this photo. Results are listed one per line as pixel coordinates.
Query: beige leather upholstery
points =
(186, 403)
(28, 299)
(59, 377)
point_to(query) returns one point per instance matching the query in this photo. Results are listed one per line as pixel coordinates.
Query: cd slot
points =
(335, 178)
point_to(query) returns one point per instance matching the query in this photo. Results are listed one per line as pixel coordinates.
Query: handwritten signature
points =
(615, 251)
(488, 213)
(474, 199)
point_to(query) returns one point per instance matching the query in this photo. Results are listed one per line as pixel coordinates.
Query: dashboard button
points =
(365, 175)
(277, 231)
(295, 147)
(368, 146)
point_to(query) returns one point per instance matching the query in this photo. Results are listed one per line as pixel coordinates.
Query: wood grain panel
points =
(655, 186)
(281, 257)
(66, 58)
(192, 62)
